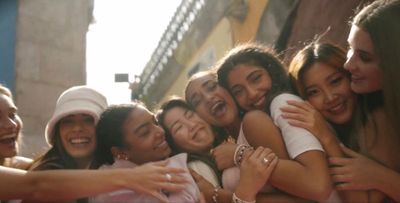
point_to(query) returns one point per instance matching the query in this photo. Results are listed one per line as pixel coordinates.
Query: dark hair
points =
(220, 133)
(313, 53)
(109, 130)
(380, 20)
(174, 102)
(317, 52)
(257, 55)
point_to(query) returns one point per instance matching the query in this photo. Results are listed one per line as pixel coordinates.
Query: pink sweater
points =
(189, 194)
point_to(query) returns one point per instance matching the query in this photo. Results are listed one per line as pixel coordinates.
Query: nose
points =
(77, 126)
(329, 96)
(190, 124)
(349, 64)
(160, 131)
(251, 93)
(10, 124)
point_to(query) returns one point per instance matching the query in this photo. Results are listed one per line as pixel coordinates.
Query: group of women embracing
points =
(324, 129)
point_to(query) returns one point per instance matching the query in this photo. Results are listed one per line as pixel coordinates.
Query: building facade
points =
(203, 30)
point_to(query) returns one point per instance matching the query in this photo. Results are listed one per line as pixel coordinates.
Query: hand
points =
(356, 172)
(205, 187)
(255, 171)
(304, 115)
(151, 178)
(223, 155)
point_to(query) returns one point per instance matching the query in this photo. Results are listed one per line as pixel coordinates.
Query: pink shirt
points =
(189, 194)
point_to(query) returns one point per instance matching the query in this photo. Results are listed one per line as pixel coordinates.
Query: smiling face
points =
(143, 139)
(78, 135)
(249, 85)
(328, 90)
(362, 62)
(10, 126)
(211, 102)
(189, 132)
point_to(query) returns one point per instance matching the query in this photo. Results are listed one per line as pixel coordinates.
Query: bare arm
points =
(258, 123)
(74, 184)
(307, 176)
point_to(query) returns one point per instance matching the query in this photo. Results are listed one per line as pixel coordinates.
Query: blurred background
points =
(141, 49)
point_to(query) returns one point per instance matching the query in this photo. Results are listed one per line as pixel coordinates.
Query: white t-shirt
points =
(297, 140)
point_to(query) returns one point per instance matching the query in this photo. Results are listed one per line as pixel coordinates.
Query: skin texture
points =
(78, 136)
(362, 62)
(290, 176)
(249, 85)
(143, 135)
(10, 126)
(190, 133)
(63, 185)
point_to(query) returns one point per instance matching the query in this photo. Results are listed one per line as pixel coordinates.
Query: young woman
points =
(71, 131)
(10, 127)
(317, 73)
(215, 105)
(318, 76)
(373, 60)
(187, 132)
(130, 136)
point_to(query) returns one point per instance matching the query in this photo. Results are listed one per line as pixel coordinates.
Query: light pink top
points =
(191, 192)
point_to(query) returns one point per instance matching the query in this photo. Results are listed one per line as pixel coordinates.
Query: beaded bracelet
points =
(215, 194)
(239, 152)
(236, 199)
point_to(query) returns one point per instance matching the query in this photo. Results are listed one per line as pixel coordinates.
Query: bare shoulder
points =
(256, 115)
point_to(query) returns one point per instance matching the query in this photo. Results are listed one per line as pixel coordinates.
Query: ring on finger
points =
(168, 176)
(265, 160)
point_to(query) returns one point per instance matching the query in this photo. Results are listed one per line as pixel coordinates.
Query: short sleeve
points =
(297, 140)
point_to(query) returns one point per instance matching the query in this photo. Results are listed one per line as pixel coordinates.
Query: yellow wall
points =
(247, 30)
(220, 40)
(225, 35)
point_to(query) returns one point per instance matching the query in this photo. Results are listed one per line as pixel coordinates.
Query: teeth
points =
(79, 140)
(8, 136)
(217, 108)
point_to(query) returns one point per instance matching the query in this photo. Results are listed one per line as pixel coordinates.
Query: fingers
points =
(160, 196)
(299, 104)
(341, 178)
(295, 116)
(172, 187)
(339, 161)
(160, 163)
(171, 170)
(195, 175)
(348, 151)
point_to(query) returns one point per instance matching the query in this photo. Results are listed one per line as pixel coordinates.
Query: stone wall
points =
(50, 57)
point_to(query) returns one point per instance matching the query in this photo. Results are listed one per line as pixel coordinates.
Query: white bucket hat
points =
(77, 99)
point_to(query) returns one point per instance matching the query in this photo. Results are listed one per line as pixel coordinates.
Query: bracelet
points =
(236, 199)
(239, 152)
(215, 194)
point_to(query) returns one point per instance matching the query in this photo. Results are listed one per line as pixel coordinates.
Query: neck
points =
(234, 128)
(83, 163)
